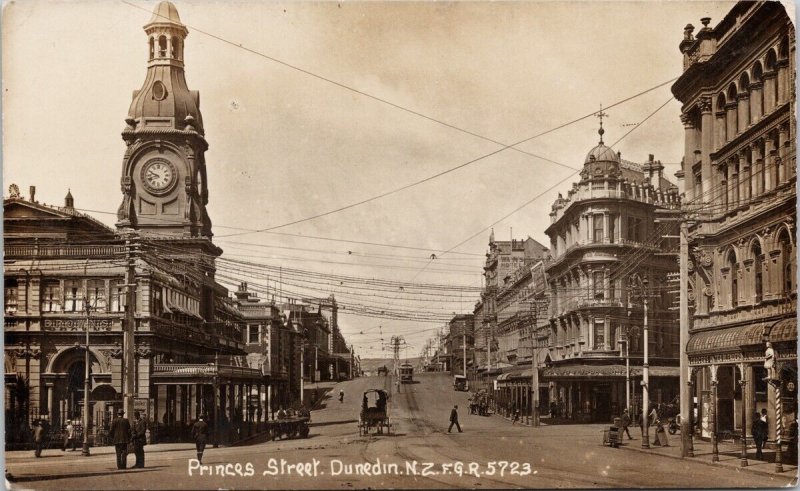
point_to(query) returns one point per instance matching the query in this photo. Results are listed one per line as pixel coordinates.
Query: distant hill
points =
(372, 364)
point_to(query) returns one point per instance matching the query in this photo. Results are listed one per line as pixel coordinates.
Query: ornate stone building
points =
(739, 102)
(164, 336)
(604, 236)
(502, 260)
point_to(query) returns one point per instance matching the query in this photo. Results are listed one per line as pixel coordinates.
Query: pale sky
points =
(285, 145)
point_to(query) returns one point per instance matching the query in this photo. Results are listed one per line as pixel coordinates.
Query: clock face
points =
(158, 175)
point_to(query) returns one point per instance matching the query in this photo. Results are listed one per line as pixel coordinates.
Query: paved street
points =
(559, 456)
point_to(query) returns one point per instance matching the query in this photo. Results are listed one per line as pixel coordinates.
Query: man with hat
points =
(200, 435)
(139, 439)
(120, 436)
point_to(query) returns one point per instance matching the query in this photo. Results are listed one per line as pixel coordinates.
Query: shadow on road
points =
(329, 423)
(51, 477)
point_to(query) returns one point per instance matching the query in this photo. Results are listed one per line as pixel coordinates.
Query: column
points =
(755, 101)
(734, 183)
(706, 147)
(743, 111)
(769, 91)
(50, 408)
(729, 171)
(714, 409)
(743, 369)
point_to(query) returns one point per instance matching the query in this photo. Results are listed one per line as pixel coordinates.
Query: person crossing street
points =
(200, 435)
(454, 419)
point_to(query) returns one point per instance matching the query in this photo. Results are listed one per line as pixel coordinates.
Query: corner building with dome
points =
(611, 250)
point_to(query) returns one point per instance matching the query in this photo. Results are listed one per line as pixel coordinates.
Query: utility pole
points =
(86, 384)
(128, 342)
(687, 449)
(645, 372)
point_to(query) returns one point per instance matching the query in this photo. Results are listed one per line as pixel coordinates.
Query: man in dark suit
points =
(200, 435)
(454, 419)
(139, 439)
(120, 436)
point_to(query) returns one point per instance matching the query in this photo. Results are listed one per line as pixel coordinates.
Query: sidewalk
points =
(729, 455)
(21, 455)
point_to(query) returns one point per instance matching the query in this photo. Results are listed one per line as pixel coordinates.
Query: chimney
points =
(33, 194)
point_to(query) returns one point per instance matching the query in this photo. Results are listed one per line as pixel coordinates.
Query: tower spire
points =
(601, 115)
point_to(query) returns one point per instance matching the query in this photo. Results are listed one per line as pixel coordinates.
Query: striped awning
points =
(733, 339)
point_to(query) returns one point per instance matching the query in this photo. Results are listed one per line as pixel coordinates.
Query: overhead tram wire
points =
(543, 192)
(392, 104)
(426, 179)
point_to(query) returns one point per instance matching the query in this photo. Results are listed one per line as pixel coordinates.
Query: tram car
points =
(406, 373)
(289, 424)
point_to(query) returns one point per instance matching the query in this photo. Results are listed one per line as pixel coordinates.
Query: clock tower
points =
(164, 170)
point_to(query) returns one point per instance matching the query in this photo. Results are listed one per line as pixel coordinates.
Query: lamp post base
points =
(85, 450)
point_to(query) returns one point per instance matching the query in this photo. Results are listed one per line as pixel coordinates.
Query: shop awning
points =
(783, 330)
(721, 340)
(509, 375)
(604, 371)
(732, 339)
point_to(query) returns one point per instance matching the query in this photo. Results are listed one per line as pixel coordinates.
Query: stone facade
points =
(739, 102)
(606, 262)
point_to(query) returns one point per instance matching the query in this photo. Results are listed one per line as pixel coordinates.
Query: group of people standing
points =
(123, 433)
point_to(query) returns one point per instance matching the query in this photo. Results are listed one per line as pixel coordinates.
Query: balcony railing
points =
(63, 250)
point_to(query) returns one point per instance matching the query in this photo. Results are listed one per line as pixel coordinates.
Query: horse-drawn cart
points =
(373, 414)
(289, 427)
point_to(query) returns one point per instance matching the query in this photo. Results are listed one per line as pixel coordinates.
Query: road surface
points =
(490, 453)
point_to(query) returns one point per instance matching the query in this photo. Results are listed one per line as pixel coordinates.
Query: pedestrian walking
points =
(341, 395)
(454, 419)
(200, 436)
(69, 437)
(759, 435)
(626, 421)
(139, 439)
(120, 436)
(515, 414)
(38, 438)
(654, 420)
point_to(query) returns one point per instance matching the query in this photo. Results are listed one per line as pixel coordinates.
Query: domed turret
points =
(601, 153)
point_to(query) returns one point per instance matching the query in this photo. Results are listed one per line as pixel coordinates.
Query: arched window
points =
(783, 49)
(162, 46)
(174, 48)
(176, 42)
(770, 65)
(724, 137)
(152, 48)
(787, 262)
(758, 260)
(734, 282)
(744, 88)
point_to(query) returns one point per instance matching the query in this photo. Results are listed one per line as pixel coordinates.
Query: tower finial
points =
(601, 115)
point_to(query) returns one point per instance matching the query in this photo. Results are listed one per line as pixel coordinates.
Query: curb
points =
(709, 463)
